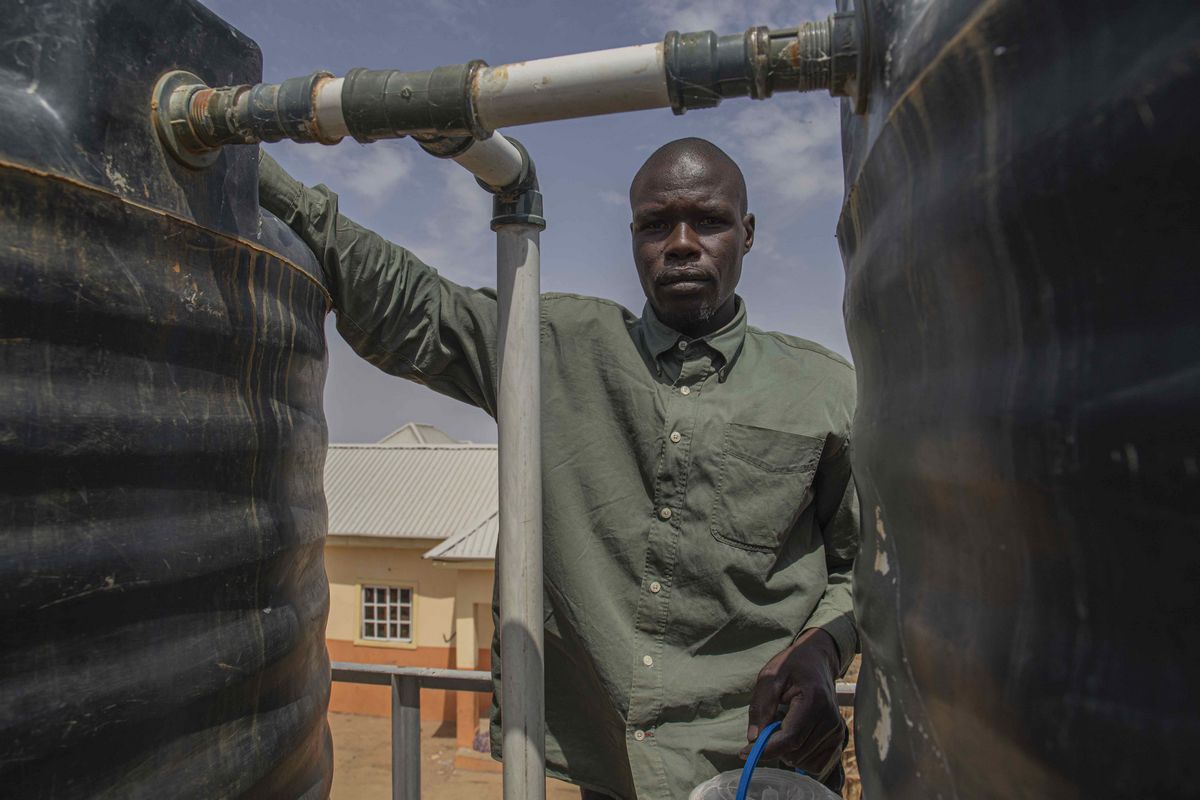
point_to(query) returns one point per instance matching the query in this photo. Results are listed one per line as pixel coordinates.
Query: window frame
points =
(361, 621)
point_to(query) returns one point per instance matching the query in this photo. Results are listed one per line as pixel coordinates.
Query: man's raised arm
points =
(395, 311)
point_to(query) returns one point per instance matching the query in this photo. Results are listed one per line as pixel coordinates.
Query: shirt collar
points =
(726, 341)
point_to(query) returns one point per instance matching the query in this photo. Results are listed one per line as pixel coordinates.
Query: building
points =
(410, 558)
(417, 433)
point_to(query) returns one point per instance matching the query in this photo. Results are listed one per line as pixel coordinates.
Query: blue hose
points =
(760, 744)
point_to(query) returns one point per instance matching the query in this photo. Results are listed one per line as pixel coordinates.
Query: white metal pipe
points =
(327, 108)
(496, 161)
(580, 85)
(519, 567)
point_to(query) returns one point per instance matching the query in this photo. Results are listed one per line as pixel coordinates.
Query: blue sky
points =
(788, 147)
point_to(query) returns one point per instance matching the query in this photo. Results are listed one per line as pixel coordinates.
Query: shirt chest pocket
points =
(763, 485)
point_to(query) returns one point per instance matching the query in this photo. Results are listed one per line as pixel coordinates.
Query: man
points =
(699, 516)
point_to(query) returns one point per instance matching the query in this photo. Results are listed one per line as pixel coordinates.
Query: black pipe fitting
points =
(823, 55)
(378, 103)
(519, 203)
(851, 68)
(264, 112)
(444, 146)
(194, 121)
(214, 116)
(703, 68)
(521, 208)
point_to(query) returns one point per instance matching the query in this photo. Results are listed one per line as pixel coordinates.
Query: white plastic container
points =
(766, 784)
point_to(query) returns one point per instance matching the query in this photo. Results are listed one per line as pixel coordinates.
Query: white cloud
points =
(431, 206)
(458, 240)
(450, 11)
(793, 150)
(371, 172)
(726, 17)
(613, 198)
(466, 196)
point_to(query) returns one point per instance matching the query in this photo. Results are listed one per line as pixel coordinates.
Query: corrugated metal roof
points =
(409, 491)
(475, 544)
(418, 433)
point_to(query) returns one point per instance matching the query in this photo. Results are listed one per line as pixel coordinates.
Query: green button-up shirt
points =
(698, 511)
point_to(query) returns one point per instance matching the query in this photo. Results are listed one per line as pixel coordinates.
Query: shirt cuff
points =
(844, 632)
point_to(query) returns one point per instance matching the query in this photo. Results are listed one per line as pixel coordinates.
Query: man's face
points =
(689, 236)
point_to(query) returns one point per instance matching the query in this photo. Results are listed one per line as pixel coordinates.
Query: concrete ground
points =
(362, 765)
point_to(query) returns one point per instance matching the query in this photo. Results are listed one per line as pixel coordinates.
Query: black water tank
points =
(1020, 234)
(162, 587)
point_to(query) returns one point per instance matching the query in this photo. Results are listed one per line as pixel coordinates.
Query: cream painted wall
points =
(483, 623)
(446, 598)
(480, 595)
(474, 590)
(349, 566)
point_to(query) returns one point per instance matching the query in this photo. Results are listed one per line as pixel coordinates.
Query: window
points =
(387, 613)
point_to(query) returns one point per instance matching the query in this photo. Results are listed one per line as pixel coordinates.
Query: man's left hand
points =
(802, 677)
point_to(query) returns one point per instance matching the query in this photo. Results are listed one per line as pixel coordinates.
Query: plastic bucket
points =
(750, 783)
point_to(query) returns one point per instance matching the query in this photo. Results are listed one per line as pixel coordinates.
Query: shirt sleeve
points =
(838, 518)
(395, 311)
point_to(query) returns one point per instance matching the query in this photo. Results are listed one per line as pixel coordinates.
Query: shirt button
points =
(683, 345)
(675, 437)
(665, 513)
(648, 661)
(655, 587)
(685, 390)
(639, 735)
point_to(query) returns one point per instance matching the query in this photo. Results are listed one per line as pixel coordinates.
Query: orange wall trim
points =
(437, 705)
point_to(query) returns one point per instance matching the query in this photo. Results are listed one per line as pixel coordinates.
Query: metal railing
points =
(407, 683)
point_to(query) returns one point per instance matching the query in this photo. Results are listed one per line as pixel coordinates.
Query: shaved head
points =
(690, 231)
(693, 155)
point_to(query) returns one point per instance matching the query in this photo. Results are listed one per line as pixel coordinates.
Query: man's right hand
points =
(801, 677)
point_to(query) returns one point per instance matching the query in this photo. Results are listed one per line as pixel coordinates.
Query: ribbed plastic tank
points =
(1020, 239)
(162, 587)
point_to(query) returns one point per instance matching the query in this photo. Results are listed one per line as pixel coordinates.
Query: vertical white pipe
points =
(522, 699)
